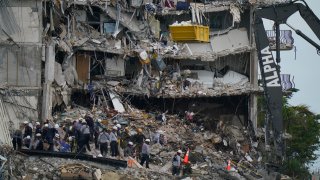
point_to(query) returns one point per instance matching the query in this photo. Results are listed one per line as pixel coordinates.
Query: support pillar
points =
(253, 109)
(49, 78)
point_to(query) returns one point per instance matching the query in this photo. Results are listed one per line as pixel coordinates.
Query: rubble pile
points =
(209, 149)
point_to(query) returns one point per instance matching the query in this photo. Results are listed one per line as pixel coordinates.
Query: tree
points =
(304, 127)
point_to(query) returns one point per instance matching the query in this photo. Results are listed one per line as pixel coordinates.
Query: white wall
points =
(20, 67)
(28, 21)
(115, 66)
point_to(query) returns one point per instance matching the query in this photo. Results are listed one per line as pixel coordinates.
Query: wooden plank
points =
(82, 67)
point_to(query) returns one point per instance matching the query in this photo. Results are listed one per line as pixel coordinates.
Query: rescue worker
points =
(96, 132)
(139, 139)
(103, 140)
(64, 146)
(27, 141)
(72, 143)
(129, 150)
(145, 153)
(84, 137)
(17, 139)
(119, 129)
(114, 141)
(88, 118)
(176, 163)
(38, 143)
(38, 128)
(27, 130)
(56, 143)
(48, 135)
(125, 138)
(163, 139)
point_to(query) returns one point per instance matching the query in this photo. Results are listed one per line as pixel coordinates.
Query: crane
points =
(270, 69)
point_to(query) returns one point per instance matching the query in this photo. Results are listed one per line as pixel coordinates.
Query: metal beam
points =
(101, 160)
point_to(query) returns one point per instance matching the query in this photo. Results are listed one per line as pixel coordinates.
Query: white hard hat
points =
(130, 143)
(46, 125)
(115, 121)
(56, 126)
(99, 120)
(70, 138)
(114, 128)
(57, 135)
(179, 151)
(26, 122)
(118, 125)
(38, 134)
(100, 155)
(147, 140)
(37, 123)
(28, 137)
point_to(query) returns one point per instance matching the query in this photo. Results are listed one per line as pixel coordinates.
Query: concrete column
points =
(49, 77)
(253, 74)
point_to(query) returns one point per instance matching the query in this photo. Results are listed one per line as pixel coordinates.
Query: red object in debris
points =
(186, 158)
(228, 166)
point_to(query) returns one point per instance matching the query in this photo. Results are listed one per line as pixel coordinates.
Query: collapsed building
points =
(85, 45)
(161, 56)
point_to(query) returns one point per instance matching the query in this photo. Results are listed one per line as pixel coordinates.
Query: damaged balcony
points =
(286, 39)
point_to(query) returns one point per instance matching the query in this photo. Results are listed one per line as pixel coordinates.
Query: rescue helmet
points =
(118, 126)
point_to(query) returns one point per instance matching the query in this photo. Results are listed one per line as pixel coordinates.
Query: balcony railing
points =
(287, 81)
(286, 39)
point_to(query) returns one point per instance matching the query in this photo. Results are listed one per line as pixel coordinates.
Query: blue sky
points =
(306, 67)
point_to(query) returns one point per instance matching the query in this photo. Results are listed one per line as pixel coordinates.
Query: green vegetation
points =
(304, 127)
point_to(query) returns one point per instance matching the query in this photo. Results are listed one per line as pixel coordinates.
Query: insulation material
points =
(118, 106)
(232, 77)
(115, 66)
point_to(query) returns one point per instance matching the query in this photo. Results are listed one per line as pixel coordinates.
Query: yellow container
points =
(190, 33)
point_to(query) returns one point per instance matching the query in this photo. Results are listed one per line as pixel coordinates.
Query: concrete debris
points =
(113, 66)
